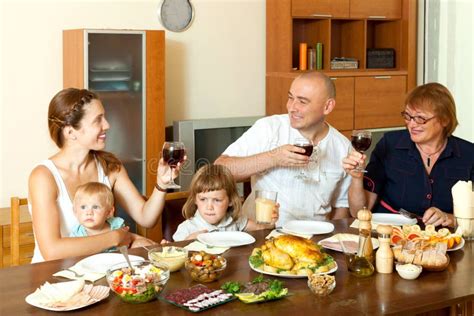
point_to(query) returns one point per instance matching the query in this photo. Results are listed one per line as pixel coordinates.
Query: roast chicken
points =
(291, 253)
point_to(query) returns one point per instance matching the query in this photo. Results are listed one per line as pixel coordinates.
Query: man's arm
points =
(339, 212)
(243, 168)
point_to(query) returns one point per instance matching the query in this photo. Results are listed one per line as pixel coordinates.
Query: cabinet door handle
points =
(322, 15)
(333, 78)
(377, 17)
(382, 77)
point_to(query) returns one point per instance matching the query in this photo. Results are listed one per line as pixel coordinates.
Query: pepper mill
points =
(384, 256)
(365, 216)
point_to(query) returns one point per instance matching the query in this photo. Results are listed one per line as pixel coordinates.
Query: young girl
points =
(94, 208)
(213, 194)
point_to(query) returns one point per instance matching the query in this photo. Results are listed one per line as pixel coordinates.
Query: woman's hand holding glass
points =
(361, 141)
(165, 173)
(351, 163)
(174, 154)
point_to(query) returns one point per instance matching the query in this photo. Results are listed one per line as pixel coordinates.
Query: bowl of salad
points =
(140, 285)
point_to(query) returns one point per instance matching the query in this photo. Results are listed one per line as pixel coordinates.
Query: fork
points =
(77, 275)
(405, 213)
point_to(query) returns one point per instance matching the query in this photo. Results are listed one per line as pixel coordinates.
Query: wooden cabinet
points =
(369, 25)
(378, 101)
(320, 8)
(126, 69)
(342, 117)
(378, 9)
(277, 88)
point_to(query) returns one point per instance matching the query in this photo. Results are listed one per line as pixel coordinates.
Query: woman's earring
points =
(74, 138)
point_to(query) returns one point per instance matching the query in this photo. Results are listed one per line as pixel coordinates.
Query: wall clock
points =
(176, 15)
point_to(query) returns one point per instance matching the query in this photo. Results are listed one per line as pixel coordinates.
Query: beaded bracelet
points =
(159, 188)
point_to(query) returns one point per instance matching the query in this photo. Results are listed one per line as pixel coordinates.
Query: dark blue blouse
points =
(396, 173)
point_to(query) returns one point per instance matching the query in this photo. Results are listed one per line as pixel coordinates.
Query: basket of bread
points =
(426, 248)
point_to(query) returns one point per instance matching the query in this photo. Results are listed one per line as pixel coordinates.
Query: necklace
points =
(428, 156)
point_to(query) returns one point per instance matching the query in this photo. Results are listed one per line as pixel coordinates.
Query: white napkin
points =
(199, 246)
(86, 275)
(281, 231)
(53, 293)
(463, 199)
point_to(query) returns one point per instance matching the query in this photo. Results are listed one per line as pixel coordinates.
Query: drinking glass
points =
(173, 153)
(307, 145)
(361, 140)
(265, 202)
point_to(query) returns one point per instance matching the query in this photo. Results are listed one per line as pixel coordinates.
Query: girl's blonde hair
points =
(213, 178)
(100, 190)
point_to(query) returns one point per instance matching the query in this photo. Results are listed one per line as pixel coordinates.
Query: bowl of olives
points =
(204, 267)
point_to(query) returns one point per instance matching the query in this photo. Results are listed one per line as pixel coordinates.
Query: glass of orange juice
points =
(265, 202)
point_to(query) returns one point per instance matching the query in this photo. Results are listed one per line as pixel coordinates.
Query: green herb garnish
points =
(257, 259)
(231, 287)
(258, 279)
(276, 286)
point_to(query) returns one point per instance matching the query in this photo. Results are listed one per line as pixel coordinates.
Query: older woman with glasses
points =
(415, 169)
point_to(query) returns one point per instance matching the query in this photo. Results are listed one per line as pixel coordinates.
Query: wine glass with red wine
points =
(361, 140)
(173, 153)
(308, 151)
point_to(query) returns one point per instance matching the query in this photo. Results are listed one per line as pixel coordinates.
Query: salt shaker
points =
(365, 216)
(384, 255)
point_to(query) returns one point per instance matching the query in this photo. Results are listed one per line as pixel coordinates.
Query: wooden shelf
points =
(346, 28)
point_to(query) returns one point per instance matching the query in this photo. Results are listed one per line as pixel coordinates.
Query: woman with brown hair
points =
(77, 125)
(415, 168)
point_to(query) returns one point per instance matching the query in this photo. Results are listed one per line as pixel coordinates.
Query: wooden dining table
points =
(377, 294)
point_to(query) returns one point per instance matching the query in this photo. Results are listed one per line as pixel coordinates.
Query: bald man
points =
(266, 154)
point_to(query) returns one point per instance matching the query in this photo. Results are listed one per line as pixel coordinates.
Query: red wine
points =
(308, 149)
(361, 143)
(172, 156)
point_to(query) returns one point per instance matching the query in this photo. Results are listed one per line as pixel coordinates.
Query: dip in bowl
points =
(143, 285)
(408, 271)
(173, 257)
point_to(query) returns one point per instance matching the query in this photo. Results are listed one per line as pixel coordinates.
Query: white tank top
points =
(67, 218)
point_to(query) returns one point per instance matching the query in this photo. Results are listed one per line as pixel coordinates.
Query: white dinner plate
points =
(97, 294)
(226, 239)
(101, 262)
(289, 276)
(392, 219)
(461, 244)
(308, 227)
(333, 242)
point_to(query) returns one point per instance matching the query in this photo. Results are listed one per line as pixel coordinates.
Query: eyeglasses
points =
(418, 119)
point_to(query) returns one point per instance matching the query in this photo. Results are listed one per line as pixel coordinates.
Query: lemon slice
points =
(247, 297)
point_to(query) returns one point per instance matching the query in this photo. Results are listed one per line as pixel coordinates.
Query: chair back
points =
(15, 203)
(172, 213)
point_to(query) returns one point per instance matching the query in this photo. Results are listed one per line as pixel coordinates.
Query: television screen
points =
(211, 143)
(206, 139)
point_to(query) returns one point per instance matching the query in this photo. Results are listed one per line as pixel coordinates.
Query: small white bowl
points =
(408, 271)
